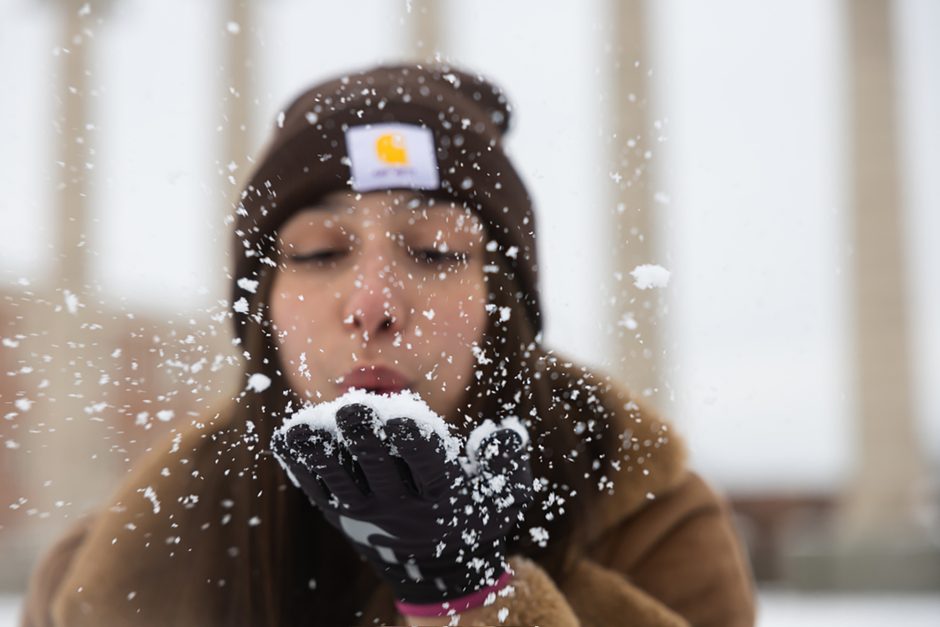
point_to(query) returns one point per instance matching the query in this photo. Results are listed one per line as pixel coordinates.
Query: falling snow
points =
(151, 496)
(258, 382)
(248, 285)
(539, 536)
(648, 276)
(71, 302)
(302, 368)
(628, 321)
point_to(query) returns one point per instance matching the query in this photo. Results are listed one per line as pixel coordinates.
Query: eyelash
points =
(427, 256)
(316, 257)
(432, 256)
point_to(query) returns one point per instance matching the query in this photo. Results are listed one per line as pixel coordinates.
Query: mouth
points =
(379, 390)
(376, 379)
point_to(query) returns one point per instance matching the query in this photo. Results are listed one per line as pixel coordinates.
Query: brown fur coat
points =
(662, 552)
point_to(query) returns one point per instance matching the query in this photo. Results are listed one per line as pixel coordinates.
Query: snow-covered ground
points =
(9, 611)
(778, 609)
(789, 609)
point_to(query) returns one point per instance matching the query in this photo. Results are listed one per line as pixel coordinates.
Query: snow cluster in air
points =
(539, 536)
(151, 496)
(628, 321)
(71, 302)
(258, 382)
(504, 312)
(648, 276)
(248, 285)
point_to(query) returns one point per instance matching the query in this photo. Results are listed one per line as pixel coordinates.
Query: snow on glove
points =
(433, 528)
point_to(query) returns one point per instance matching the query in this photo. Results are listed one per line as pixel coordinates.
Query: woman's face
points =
(381, 280)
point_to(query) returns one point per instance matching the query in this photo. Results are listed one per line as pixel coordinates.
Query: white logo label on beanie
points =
(389, 155)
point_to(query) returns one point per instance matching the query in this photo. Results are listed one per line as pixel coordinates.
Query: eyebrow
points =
(422, 213)
(343, 202)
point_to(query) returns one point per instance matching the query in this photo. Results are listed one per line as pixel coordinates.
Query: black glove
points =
(434, 528)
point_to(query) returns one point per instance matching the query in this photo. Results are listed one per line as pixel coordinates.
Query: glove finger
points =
(280, 449)
(503, 453)
(363, 433)
(322, 456)
(424, 455)
(300, 474)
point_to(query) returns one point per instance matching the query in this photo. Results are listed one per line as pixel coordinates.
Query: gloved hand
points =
(433, 528)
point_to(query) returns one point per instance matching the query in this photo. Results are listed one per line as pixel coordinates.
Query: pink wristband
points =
(453, 606)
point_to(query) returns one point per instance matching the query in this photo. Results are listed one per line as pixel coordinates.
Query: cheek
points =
(284, 306)
(459, 313)
(472, 314)
(293, 311)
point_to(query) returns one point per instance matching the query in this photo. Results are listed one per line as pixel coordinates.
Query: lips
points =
(375, 378)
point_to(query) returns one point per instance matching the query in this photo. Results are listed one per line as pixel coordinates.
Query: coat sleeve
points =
(682, 554)
(676, 562)
(46, 581)
(591, 596)
(531, 599)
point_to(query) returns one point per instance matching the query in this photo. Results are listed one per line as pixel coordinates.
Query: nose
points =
(375, 306)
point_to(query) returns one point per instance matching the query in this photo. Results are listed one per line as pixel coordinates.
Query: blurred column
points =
(879, 521)
(237, 151)
(65, 455)
(635, 313)
(889, 456)
(74, 148)
(236, 96)
(426, 23)
(238, 81)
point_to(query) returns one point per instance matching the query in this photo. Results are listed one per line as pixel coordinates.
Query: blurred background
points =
(778, 158)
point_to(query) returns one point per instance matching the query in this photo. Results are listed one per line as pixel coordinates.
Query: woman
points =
(385, 242)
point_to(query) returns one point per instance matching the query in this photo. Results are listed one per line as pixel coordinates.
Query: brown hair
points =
(297, 569)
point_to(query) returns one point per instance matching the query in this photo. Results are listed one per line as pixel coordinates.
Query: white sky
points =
(26, 139)
(157, 199)
(754, 171)
(753, 167)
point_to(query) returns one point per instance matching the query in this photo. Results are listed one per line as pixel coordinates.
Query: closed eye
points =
(318, 256)
(435, 256)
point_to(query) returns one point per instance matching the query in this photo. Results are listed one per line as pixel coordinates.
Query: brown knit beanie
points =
(429, 128)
